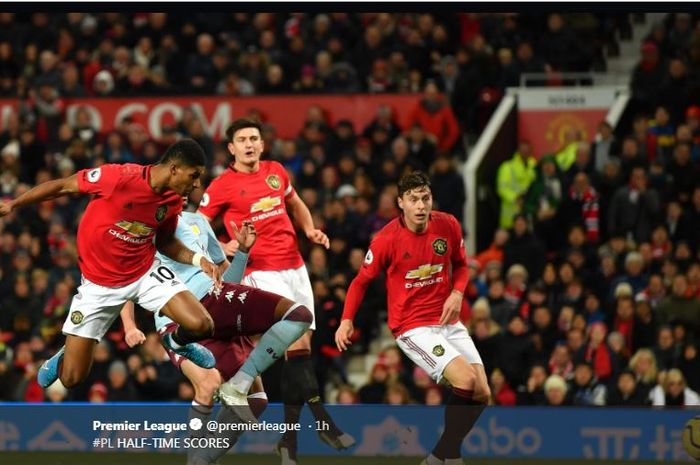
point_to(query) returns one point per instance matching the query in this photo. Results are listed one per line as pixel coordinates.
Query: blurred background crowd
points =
(588, 294)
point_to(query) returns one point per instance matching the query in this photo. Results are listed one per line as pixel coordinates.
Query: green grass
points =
(111, 458)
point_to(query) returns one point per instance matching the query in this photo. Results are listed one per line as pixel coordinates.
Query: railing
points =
(556, 79)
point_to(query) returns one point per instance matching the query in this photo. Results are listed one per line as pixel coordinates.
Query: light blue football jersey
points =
(196, 234)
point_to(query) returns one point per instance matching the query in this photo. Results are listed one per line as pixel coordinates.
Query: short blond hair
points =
(555, 382)
(650, 376)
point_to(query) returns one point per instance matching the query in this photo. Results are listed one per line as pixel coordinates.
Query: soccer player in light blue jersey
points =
(237, 311)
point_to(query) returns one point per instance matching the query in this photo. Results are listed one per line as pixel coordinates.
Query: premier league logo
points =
(273, 181)
(440, 246)
(160, 213)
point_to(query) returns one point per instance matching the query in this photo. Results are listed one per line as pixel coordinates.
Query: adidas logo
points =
(406, 255)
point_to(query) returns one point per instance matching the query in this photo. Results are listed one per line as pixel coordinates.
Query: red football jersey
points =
(116, 235)
(417, 270)
(259, 197)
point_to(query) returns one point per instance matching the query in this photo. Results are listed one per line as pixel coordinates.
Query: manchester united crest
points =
(273, 181)
(438, 350)
(440, 246)
(160, 213)
(76, 317)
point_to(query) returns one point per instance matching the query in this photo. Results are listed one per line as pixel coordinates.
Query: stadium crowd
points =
(607, 313)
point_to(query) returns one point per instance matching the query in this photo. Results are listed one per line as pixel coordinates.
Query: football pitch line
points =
(111, 458)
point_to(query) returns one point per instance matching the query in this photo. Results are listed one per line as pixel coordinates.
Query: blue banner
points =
(519, 432)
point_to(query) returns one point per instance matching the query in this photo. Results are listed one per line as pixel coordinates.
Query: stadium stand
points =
(598, 315)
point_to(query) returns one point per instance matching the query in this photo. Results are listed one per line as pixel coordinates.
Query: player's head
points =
(245, 141)
(415, 199)
(185, 161)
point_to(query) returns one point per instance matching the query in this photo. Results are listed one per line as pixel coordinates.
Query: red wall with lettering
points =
(285, 113)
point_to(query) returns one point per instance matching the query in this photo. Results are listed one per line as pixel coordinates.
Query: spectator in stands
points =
(566, 155)
(581, 207)
(397, 394)
(673, 391)
(524, 248)
(690, 365)
(666, 352)
(647, 75)
(103, 83)
(515, 351)
(346, 395)
(660, 136)
(604, 147)
(502, 392)
(677, 89)
(513, 179)
(684, 174)
(200, 71)
(677, 222)
(585, 388)
(119, 386)
(596, 352)
(679, 307)
(495, 251)
(634, 273)
(560, 48)
(626, 393)
(374, 391)
(532, 393)
(542, 201)
(632, 155)
(643, 364)
(634, 208)
(448, 187)
(555, 391)
(434, 115)
(582, 164)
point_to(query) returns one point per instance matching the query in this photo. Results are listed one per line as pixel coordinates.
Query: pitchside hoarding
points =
(286, 113)
(520, 432)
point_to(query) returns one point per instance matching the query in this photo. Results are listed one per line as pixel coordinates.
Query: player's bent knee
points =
(460, 374)
(204, 326)
(482, 393)
(300, 314)
(71, 377)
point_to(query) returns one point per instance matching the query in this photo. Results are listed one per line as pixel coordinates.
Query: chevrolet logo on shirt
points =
(266, 204)
(135, 228)
(424, 272)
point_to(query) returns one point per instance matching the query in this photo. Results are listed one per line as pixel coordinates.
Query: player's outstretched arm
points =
(246, 236)
(356, 292)
(132, 334)
(303, 218)
(172, 247)
(45, 191)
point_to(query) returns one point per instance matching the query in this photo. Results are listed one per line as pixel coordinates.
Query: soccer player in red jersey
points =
(260, 191)
(133, 211)
(419, 251)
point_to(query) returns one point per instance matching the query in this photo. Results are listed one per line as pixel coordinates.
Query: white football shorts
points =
(94, 307)
(433, 347)
(293, 284)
